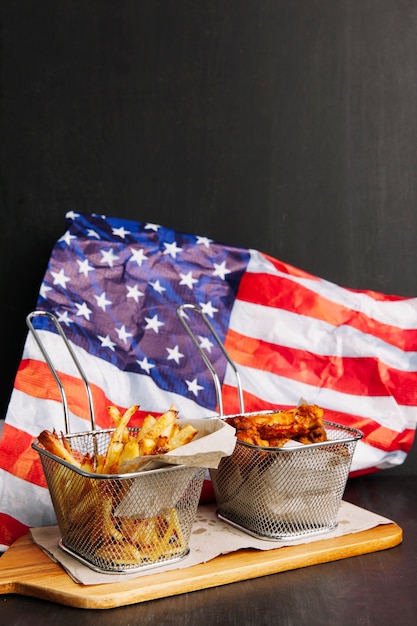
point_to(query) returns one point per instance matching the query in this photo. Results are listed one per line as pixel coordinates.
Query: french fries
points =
(142, 541)
(123, 541)
(88, 506)
(157, 436)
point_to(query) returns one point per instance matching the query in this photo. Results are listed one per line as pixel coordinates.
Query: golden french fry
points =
(146, 446)
(65, 443)
(100, 458)
(130, 555)
(170, 538)
(174, 431)
(109, 530)
(115, 414)
(84, 509)
(148, 422)
(53, 444)
(117, 417)
(164, 421)
(162, 445)
(130, 451)
(116, 444)
(183, 436)
(87, 463)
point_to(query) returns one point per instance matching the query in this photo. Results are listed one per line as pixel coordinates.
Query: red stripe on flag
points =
(278, 292)
(375, 435)
(11, 529)
(35, 379)
(364, 375)
(285, 268)
(18, 457)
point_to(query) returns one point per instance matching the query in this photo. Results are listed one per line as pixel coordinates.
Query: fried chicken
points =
(303, 424)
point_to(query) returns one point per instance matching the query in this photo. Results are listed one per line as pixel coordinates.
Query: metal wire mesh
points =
(281, 493)
(124, 522)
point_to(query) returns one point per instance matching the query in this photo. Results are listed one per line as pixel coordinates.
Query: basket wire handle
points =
(53, 370)
(181, 316)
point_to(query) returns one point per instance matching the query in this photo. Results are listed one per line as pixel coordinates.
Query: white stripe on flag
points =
(367, 457)
(279, 390)
(301, 332)
(40, 414)
(17, 493)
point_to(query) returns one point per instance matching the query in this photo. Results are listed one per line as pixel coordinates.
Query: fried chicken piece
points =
(251, 435)
(304, 424)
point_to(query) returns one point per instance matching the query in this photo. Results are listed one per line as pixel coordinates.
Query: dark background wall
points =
(289, 126)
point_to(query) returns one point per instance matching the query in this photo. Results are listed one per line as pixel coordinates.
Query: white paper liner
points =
(210, 538)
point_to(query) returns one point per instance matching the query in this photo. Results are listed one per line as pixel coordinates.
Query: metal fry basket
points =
(280, 493)
(118, 522)
(121, 522)
(285, 493)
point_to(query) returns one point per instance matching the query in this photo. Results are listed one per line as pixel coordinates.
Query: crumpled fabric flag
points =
(115, 286)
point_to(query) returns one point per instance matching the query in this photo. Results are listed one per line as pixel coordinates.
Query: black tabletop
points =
(371, 589)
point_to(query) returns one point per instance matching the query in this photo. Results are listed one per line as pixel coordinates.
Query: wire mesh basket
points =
(278, 493)
(116, 522)
(285, 493)
(121, 522)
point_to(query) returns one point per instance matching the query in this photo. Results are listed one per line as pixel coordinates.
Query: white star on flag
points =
(84, 267)
(204, 241)
(123, 334)
(205, 343)
(157, 286)
(63, 318)
(93, 233)
(139, 256)
(108, 257)
(134, 292)
(106, 342)
(220, 270)
(153, 323)
(60, 278)
(67, 237)
(44, 290)
(172, 249)
(208, 308)
(150, 226)
(120, 232)
(145, 365)
(187, 279)
(174, 355)
(102, 302)
(83, 310)
(193, 386)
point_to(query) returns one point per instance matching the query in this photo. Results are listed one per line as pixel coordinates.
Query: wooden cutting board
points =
(26, 570)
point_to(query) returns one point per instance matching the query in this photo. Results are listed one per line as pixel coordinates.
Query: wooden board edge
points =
(225, 569)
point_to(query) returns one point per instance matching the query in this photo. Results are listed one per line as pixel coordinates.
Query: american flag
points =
(115, 285)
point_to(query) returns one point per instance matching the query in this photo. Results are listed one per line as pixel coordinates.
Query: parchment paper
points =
(214, 440)
(210, 538)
